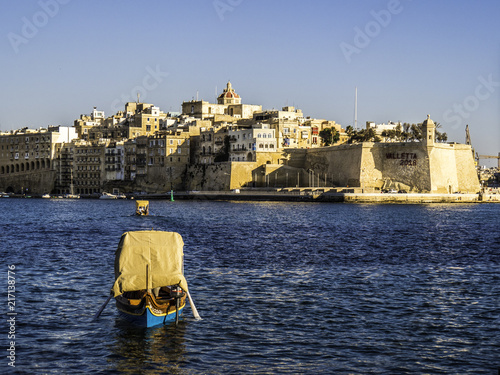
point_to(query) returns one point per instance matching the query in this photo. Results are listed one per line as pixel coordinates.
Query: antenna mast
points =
(356, 108)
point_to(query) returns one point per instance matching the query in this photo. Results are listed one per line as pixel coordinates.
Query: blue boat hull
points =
(150, 319)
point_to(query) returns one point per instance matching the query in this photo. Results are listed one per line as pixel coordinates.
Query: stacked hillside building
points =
(144, 149)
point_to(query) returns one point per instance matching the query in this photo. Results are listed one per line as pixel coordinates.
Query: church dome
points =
(229, 96)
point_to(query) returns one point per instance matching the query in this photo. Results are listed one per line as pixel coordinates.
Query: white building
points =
(246, 143)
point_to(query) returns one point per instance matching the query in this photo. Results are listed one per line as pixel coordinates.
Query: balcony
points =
(243, 149)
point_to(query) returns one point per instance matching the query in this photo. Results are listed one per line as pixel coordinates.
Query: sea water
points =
(299, 288)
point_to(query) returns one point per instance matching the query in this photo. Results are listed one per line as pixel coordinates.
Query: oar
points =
(102, 308)
(193, 307)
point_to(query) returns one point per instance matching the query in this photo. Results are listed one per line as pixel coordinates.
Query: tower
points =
(428, 132)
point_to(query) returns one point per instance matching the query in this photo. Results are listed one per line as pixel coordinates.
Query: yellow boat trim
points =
(172, 312)
(151, 311)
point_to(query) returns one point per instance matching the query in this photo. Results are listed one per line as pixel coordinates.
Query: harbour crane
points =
(478, 157)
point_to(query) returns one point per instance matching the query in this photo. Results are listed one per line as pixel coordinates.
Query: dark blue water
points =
(298, 288)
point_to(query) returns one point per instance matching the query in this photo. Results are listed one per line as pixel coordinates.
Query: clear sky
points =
(60, 58)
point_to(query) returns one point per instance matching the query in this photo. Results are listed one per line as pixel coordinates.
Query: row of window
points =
(88, 168)
(27, 139)
(161, 161)
(161, 142)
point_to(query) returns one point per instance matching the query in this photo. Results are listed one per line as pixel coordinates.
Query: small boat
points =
(46, 196)
(105, 195)
(150, 288)
(72, 196)
(142, 208)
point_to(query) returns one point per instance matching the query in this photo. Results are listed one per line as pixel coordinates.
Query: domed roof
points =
(428, 122)
(228, 93)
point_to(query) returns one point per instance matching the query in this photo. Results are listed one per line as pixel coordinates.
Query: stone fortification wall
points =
(341, 164)
(208, 177)
(161, 179)
(411, 166)
(400, 166)
(35, 182)
(237, 175)
(443, 169)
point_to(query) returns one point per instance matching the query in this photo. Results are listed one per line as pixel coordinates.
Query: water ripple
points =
(282, 288)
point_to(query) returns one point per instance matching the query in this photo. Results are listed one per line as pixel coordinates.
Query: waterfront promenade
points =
(325, 195)
(340, 195)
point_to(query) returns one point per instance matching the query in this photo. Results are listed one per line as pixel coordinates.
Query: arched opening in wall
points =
(48, 163)
(32, 165)
(231, 111)
(203, 150)
(9, 190)
(28, 166)
(17, 167)
(22, 167)
(3, 169)
(38, 164)
(249, 156)
(209, 150)
(12, 168)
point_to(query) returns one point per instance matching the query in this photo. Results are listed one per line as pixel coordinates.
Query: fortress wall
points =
(243, 173)
(161, 179)
(36, 182)
(396, 166)
(208, 177)
(411, 166)
(468, 180)
(341, 163)
(443, 169)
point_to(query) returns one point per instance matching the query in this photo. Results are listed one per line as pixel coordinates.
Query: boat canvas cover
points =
(141, 204)
(161, 251)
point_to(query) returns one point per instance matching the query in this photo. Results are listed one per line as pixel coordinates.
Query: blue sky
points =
(60, 58)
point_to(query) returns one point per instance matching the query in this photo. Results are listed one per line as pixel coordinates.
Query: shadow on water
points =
(153, 350)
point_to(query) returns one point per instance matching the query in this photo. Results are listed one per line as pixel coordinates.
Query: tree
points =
(329, 136)
(364, 135)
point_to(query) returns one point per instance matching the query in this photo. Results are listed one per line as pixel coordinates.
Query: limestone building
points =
(228, 103)
(28, 158)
